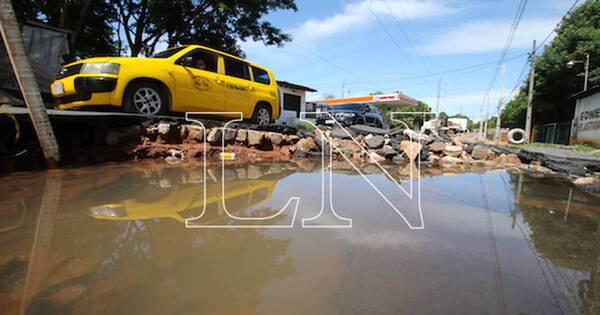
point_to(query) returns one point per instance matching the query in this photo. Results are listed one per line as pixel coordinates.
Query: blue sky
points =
(342, 41)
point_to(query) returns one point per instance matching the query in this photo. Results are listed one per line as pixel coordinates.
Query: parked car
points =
(353, 114)
(182, 79)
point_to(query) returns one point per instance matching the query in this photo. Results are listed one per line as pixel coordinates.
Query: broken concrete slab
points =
(374, 142)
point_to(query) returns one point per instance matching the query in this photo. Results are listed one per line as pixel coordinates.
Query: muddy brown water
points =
(112, 240)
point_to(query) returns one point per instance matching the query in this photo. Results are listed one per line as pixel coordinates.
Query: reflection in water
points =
(112, 240)
(565, 231)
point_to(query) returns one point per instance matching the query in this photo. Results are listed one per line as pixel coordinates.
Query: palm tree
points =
(11, 34)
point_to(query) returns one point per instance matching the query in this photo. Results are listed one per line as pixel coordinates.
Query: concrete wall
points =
(287, 116)
(586, 122)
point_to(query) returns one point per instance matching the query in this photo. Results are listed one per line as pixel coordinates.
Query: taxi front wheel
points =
(146, 98)
(262, 115)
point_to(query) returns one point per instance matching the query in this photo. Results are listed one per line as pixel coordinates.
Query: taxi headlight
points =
(100, 67)
(108, 211)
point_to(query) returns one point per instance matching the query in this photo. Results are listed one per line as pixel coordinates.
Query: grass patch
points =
(304, 126)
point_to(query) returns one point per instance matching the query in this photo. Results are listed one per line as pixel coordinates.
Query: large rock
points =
(374, 142)
(338, 132)
(411, 134)
(276, 138)
(449, 161)
(305, 145)
(437, 147)
(452, 150)
(348, 147)
(365, 130)
(255, 137)
(480, 152)
(163, 128)
(214, 136)
(229, 135)
(411, 149)
(508, 160)
(374, 157)
(458, 141)
(388, 152)
(242, 136)
(424, 152)
(194, 133)
(292, 139)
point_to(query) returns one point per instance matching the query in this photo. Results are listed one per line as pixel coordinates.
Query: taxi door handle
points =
(251, 88)
(219, 81)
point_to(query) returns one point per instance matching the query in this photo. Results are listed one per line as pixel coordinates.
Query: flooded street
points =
(113, 240)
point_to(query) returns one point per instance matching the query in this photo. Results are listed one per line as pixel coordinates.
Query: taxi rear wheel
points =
(262, 115)
(146, 98)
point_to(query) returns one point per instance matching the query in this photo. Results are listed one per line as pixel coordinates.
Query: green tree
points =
(105, 27)
(410, 120)
(219, 24)
(92, 22)
(578, 35)
(513, 115)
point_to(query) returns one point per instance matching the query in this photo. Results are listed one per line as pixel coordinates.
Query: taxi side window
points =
(236, 68)
(202, 60)
(261, 76)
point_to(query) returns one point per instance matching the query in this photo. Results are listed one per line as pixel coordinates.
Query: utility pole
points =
(437, 106)
(530, 95)
(13, 41)
(500, 101)
(587, 71)
(343, 86)
(487, 115)
(439, 91)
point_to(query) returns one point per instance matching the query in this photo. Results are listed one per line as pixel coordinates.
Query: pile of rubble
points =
(361, 144)
(176, 142)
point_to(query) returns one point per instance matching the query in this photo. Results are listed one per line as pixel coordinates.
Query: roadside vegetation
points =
(555, 82)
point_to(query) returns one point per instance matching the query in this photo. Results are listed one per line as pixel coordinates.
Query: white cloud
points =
(358, 14)
(485, 36)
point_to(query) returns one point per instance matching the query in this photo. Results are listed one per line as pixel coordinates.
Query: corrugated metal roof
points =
(295, 86)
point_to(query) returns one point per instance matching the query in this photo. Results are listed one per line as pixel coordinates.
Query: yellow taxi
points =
(187, 202)
(188, 78)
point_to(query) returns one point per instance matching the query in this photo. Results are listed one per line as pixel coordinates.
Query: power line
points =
(559, 23)
(404, 32)
(394, 41)
(509, 39)
(519, 82)
(521, 76)
(511, 34)
(479, 66)
(408, 21)
(334, 64)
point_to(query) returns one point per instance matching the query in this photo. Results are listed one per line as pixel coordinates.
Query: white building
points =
(292, 101)
(586, 121)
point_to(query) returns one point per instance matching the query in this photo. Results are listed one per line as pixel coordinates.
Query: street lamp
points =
(586, 62)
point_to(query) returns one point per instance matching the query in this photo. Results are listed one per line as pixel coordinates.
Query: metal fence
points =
(558, 133)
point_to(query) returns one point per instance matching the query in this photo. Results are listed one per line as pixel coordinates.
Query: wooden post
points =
(530, 96)
(37, 270)
(13, 41)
